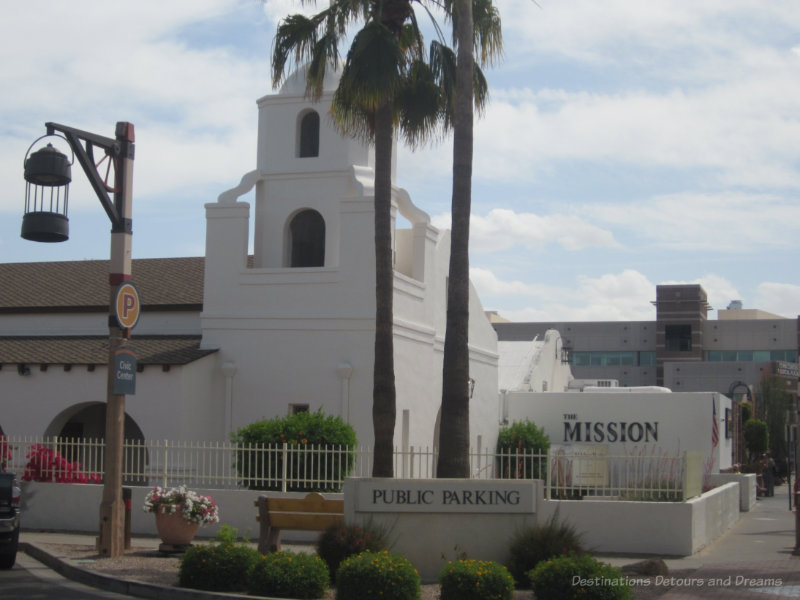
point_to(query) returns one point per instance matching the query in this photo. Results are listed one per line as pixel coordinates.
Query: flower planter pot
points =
(174, 530)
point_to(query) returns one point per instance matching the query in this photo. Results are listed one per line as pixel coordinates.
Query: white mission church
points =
(230, 338)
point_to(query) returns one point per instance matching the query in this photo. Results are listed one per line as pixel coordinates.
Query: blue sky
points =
(627, 143)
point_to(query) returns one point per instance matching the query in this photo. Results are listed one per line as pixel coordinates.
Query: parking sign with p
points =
(128, 307)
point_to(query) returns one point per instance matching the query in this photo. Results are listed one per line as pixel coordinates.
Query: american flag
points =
(714, 425)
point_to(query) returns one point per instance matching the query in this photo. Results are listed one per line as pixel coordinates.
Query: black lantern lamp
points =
(48, 174)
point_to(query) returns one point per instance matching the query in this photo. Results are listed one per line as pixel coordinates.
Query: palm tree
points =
(386, 83)
(484, 34)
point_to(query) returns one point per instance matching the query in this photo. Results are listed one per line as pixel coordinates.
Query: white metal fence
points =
(568, 473)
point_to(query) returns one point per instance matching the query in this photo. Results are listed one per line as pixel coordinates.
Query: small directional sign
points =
(128, 307)
(124, 371)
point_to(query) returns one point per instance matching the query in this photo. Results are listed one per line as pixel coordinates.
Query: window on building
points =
(298, 408)
(307, 239)
(678, 338)
(579, 359)
(309, 135)
(751, 355)
(598, 358)
(647, 358)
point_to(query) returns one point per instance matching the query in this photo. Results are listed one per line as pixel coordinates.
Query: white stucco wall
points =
(683, 421)
(171, 405)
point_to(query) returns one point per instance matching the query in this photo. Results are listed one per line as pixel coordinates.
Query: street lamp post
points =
(45, 220)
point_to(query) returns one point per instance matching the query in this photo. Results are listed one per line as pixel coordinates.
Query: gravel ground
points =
(150, 566)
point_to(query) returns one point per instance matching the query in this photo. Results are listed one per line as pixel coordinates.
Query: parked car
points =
(10, 493)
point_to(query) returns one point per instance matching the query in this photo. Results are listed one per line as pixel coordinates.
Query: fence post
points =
(284, 466)
(53, 467)
(548, 476)
(164, 479)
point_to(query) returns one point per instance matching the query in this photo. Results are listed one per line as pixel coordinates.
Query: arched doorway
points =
(79, 433)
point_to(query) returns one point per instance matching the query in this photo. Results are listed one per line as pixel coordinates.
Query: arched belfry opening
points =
(308, 143)
(307, 239)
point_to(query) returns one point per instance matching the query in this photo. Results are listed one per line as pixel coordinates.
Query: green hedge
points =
(289, 574)
(578, 577)
(476, 580)
(220, 567)
(518, 438)
(261, 469)
(377, 575)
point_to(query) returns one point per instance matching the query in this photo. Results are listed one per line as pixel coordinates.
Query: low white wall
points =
(76, 507)
(713, 514)
(748, 487)
(658, 528)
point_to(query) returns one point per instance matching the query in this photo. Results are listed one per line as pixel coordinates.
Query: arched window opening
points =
(307, 244)
(309, 135)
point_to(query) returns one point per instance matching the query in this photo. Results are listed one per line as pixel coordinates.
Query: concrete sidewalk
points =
(753, 559)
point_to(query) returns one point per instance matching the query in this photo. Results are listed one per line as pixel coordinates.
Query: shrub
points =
(377, 575)
(756, 437)
(262, 468)
(221, 567)
(578, 576)
(340, 541)
(521, 438)
(531, 545)
(45, 464)
(475, 580)
(287, 574)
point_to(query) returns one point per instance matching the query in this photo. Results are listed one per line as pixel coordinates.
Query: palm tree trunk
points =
(454, 429)
(383, 391)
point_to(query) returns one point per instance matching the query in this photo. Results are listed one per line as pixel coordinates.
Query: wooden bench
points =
(312, 513)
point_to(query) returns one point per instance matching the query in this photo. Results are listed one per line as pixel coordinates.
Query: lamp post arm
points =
(119, 148)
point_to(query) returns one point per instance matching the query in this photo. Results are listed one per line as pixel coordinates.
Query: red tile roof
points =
(82, 286)
(93, 350)
(172, 284)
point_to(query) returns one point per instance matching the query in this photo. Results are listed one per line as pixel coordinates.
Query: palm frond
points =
(295, 38)
(443, 67)
(487, 30)
(373, 71)
(420, 105)
(480, 90)
(488, 37)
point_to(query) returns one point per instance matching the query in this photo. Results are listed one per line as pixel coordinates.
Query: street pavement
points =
(753, 560)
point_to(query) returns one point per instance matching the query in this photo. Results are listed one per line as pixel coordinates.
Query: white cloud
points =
(694, 92)
(502, 229)
(610, 297)
(619, 30)
(779, 298)
(99, 65)
(723, 222)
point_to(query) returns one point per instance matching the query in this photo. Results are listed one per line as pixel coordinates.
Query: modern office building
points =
(682, 350)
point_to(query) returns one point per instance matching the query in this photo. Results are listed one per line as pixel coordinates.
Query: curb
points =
(127, 587)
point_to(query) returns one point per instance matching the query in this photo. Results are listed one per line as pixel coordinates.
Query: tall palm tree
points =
(386, 83)
(483, 34)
